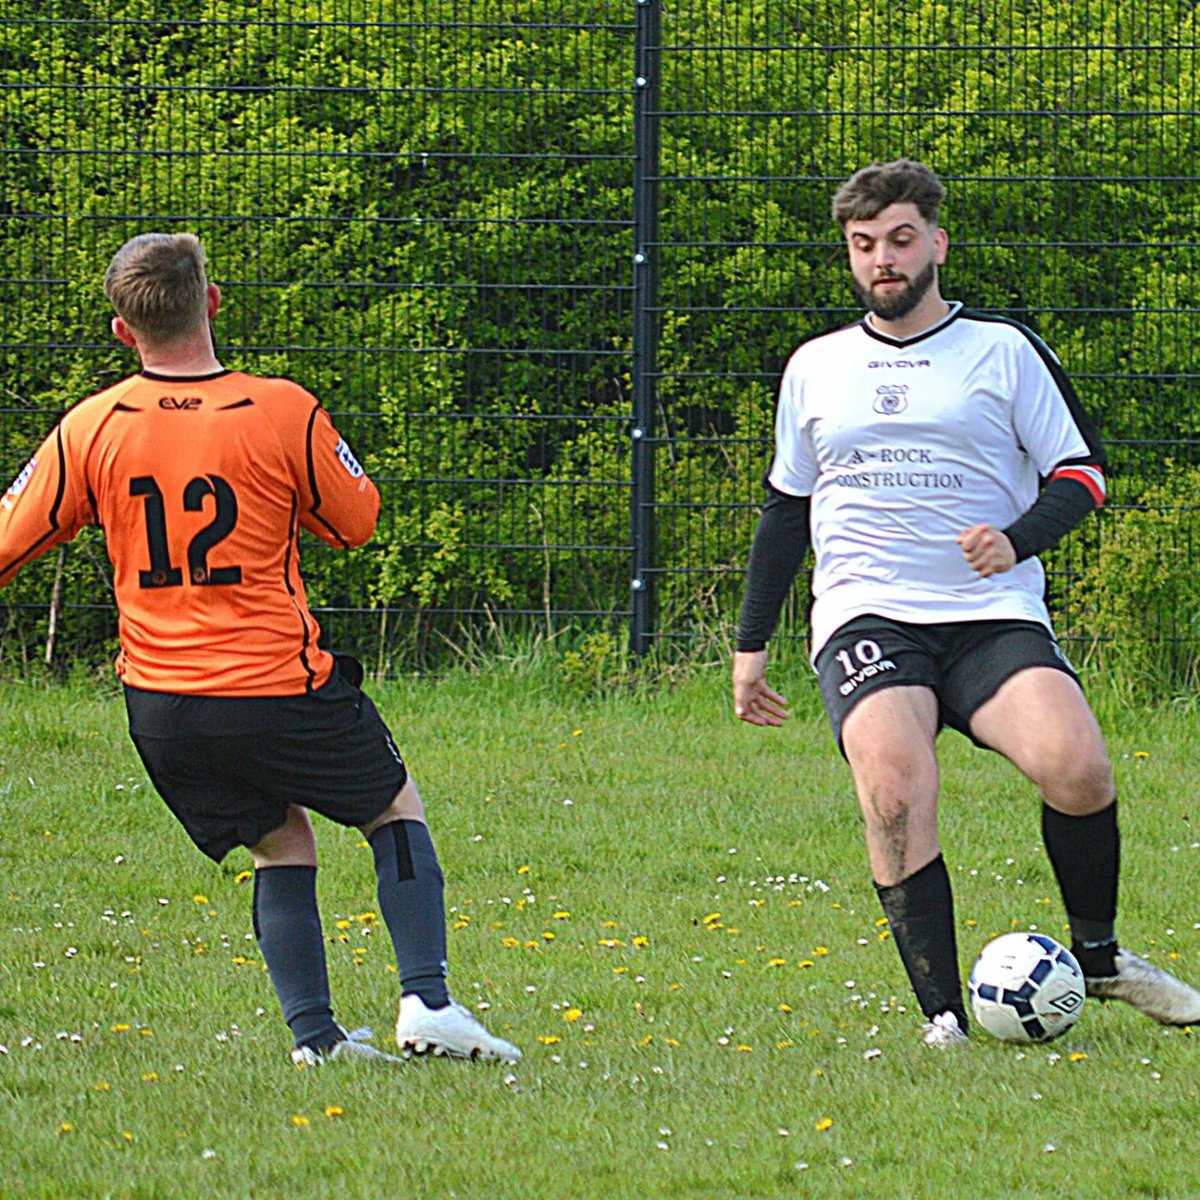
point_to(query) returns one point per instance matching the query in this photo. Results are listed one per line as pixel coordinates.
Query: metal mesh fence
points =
(544, 262)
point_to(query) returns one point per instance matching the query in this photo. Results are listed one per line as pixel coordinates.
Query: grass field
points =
(668, 910)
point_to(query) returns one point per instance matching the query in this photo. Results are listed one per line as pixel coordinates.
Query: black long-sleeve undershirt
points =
(1063, 503)
(780, 543)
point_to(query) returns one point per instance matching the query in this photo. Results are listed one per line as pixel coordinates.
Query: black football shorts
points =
(229, 767)
(963, 662)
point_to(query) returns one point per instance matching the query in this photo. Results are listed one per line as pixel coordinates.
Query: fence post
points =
(646, 93)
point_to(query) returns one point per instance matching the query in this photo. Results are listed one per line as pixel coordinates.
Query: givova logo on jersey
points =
(346, 458)
(890, 398)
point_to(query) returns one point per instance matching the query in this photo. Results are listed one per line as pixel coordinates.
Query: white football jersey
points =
(903, 444)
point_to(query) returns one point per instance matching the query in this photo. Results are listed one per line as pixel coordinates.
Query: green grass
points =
(587, 846)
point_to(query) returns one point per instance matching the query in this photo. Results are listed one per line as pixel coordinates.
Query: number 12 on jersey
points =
(162, 572)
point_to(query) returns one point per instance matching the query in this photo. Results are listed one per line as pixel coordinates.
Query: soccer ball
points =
(1025, 987)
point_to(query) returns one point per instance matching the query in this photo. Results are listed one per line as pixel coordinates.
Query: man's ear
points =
(214, 300)
(122, 332)
(941, 243)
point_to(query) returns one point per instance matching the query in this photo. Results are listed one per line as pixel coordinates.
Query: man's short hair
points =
(869, 191)
(157, 284)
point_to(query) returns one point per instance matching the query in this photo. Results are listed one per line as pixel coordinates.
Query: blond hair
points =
(157, 284)
(868, 192)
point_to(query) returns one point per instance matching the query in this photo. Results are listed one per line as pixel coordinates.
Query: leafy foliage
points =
(425, 215)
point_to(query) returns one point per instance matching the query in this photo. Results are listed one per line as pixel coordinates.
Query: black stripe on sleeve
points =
(39, 546)
(1087, 430)
(312, 479)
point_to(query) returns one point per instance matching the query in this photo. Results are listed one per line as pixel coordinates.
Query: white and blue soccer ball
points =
(1026, 987)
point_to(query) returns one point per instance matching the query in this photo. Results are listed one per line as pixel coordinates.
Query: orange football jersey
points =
(201, 487)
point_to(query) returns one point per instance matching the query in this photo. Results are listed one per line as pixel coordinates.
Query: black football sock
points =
(288, 928)
(1085, 853)
(920, 913)
(411, 888)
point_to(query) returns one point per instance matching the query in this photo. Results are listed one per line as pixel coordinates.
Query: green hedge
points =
(423, 212)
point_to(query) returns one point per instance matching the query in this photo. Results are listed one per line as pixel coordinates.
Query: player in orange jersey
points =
(202, 479)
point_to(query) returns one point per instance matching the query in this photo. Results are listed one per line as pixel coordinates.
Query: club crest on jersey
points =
(890, 398)
(346, 458)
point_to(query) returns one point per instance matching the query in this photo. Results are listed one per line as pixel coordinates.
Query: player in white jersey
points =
(930, 453)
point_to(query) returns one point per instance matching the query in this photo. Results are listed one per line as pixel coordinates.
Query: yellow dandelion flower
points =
(200, 899)
(121, 1028)
(620, 970)
(576, 732)
(146, 1032)
(334, 1110)
(342, 924)
(744, 1049)
(548, 1039)
(66, 1127)
(777, 962)
(532, 945)
(1078, 1056)
(561, 915)
(785, 1008)
(784, 1043)
(127, 1135)
(881, 922)
(523, 870)
(823, 1124)
(242, 876)
(806, 962)
(367, 917)
(239, 960)
(673, 1043)
(149, 1076)
(547, 936)
(510, 942)
(641, 942)
(573, 1014)
(461, 924)
(820, 951)
(103, 1086)
(1141, 754)
(608, 924)
(646, 1040)
(712, 919)
(675, 987)
(299, 1120)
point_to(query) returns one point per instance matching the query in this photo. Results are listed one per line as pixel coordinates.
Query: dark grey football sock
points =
(288, 928)
(411, 899)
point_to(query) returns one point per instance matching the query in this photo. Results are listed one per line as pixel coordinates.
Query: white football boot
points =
(943, 1032)
(354, 1045)
(1149, 989)
(449, 1031)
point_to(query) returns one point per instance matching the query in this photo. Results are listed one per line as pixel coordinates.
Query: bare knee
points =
(291, 845)
(1079, 785)
(405, 806)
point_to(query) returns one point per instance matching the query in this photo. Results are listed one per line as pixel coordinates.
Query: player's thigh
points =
(1041, 721)
(868, 657)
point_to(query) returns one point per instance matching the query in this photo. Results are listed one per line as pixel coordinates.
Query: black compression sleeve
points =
(780, 543)
(1061, 506)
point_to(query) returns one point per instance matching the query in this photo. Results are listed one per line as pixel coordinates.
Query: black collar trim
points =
(955, 312)
(160, 378)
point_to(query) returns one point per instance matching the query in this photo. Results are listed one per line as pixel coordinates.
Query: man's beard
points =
(901, 301)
